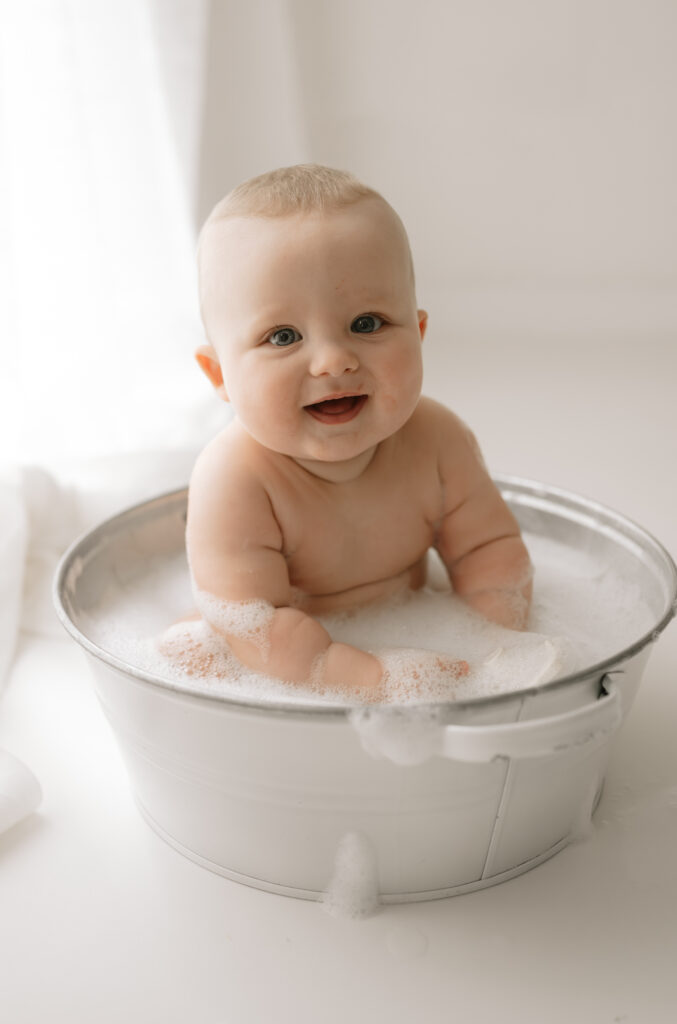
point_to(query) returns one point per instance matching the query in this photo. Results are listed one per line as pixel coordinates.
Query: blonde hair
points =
(303, 188)
(299, 189)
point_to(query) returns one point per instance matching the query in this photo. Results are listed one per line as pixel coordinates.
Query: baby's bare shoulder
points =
(233, 540)
(228, 487)
(439, 425)
(230, 458)
(459, 460)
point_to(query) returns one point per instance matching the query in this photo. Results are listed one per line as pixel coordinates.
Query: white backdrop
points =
(529, 146)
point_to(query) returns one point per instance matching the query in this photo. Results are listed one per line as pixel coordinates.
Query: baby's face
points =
(315, 325)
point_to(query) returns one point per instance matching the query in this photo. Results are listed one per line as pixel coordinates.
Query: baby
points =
(335, 477)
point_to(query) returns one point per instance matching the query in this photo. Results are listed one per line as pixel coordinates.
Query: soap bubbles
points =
(432, 646)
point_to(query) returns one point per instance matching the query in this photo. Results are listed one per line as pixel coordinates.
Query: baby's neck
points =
(339, 472)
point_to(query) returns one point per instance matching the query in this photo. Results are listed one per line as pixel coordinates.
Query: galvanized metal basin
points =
(264, 792)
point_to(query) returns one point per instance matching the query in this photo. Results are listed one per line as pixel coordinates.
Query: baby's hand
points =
(412, 672)
(192, 647)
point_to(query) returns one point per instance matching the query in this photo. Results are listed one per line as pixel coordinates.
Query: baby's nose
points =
(333, 357)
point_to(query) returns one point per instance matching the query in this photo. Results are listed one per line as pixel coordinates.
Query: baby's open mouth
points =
(337, 410)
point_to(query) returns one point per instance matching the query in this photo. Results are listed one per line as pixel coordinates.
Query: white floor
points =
(101, 921)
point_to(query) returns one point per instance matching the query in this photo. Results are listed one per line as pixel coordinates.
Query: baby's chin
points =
(337, 469)
(339, 452)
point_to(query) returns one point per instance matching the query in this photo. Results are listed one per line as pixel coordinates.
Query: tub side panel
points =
(272, 798)
(551, 799)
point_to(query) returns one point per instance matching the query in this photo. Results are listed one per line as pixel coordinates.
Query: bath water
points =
(583, 612)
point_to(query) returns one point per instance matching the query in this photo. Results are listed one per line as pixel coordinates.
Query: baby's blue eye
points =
(366, 324)
(283, 337)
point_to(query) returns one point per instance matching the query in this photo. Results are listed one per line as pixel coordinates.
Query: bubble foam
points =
(405, 736)
(582, 613)
(246, 620)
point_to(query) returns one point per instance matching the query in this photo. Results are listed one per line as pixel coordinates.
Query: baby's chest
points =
(333, 543)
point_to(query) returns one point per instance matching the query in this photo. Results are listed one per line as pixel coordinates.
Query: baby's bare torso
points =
(263, 527)
(352, 543)
(343, 544)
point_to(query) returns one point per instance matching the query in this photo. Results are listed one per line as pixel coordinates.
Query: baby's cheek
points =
(399, 392)
(405, 370)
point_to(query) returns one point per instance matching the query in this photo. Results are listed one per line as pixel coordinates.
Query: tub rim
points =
(505, 482)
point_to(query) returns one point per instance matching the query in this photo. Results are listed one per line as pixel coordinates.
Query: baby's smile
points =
(337, 409)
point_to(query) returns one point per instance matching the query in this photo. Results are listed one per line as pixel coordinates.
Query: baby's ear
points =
(208, 361)
(422, 322)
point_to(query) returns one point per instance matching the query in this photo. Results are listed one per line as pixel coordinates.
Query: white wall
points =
(529, 145)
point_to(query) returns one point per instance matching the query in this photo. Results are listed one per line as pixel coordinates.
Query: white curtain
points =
(100, 402)
(99, 314)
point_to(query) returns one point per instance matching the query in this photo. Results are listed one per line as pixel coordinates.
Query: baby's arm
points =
(235, 554)
(478, 537)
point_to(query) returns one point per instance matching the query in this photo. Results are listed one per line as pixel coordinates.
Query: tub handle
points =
(537, 737)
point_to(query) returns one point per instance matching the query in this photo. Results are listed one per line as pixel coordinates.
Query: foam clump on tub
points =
(353, 889)
(405, 736)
